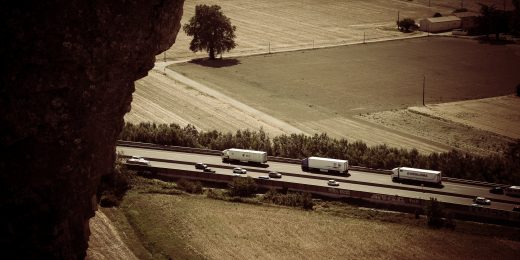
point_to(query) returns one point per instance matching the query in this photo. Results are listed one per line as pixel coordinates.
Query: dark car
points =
(517, 208)
(208, 170)
(200, 166)
(497, 190)
(275, 175)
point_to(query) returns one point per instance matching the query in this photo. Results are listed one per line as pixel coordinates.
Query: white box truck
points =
(419, 175)
(324, 164)
(241, 155)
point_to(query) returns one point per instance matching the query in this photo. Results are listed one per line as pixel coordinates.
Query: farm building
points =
(440, 24)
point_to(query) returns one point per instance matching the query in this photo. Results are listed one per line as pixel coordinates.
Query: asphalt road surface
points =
(358, 180)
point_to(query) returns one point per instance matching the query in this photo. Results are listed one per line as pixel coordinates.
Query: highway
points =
(358, 180)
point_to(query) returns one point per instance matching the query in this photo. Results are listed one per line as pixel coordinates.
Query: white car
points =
(333, 183)
(138, 160)
(482, 200)
(239, 170)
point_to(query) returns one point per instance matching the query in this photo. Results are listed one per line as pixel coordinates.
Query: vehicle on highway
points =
(497, 190)
(207, 169)
(476, 205)
(242, 155)
(414, 174)
(482, 201)
(517, 208)
(264, 177)
(512, 191)
(275, 175)
(239, 170)
(332, 183)
(201, 166)
(324, 164)
(138, 160)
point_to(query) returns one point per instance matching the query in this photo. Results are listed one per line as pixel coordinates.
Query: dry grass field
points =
(482, 126)
(195, 227)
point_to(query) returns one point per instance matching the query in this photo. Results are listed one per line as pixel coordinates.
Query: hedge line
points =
(503, 168)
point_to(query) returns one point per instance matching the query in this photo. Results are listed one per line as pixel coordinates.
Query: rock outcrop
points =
(67, 79)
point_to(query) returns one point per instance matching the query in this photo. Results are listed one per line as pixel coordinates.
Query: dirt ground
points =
(273, 25)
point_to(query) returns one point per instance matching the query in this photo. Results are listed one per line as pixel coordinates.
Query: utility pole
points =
(363, 37)
(423, 86)
(397, 19)
(164, 56)
(269, 47)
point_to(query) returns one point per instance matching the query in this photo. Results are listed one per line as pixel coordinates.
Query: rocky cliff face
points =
(67, 79)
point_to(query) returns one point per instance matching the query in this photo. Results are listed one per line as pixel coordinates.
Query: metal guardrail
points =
(286, 160)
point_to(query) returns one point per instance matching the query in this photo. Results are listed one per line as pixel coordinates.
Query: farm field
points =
(483, 126)
(175, 226)
(319, 91)
(272, 25)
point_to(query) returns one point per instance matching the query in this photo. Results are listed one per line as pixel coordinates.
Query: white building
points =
(440, 24)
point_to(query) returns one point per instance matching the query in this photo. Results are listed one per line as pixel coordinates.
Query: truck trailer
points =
(241, 155)
(325, 164)
(419, 175)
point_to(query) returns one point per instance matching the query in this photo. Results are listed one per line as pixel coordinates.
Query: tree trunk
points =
(211, 53)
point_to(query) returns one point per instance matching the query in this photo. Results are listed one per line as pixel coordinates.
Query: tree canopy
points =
(211, 30)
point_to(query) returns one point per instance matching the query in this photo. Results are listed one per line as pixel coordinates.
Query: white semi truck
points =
(241, 155)
(324, 164)
(414, 174)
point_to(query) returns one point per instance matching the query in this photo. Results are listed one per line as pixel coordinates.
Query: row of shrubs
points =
(501, 168)
(294, 199)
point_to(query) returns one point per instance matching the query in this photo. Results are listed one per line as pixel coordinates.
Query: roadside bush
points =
(242, 187)
(113, 186)
(303, 200)
(437, 15)
(190, 186)
(406, 24)
(434, 214)
(212, 194)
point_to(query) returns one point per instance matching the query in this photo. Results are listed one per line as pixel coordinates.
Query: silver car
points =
(138, 160)
(239, 170)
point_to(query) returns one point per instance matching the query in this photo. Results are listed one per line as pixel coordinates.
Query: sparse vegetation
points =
(437, 15)
(242, 187)
(503, 168)
(114, 186)
(293, 199)
(434, 214)
(190, 186)
(407, 24)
